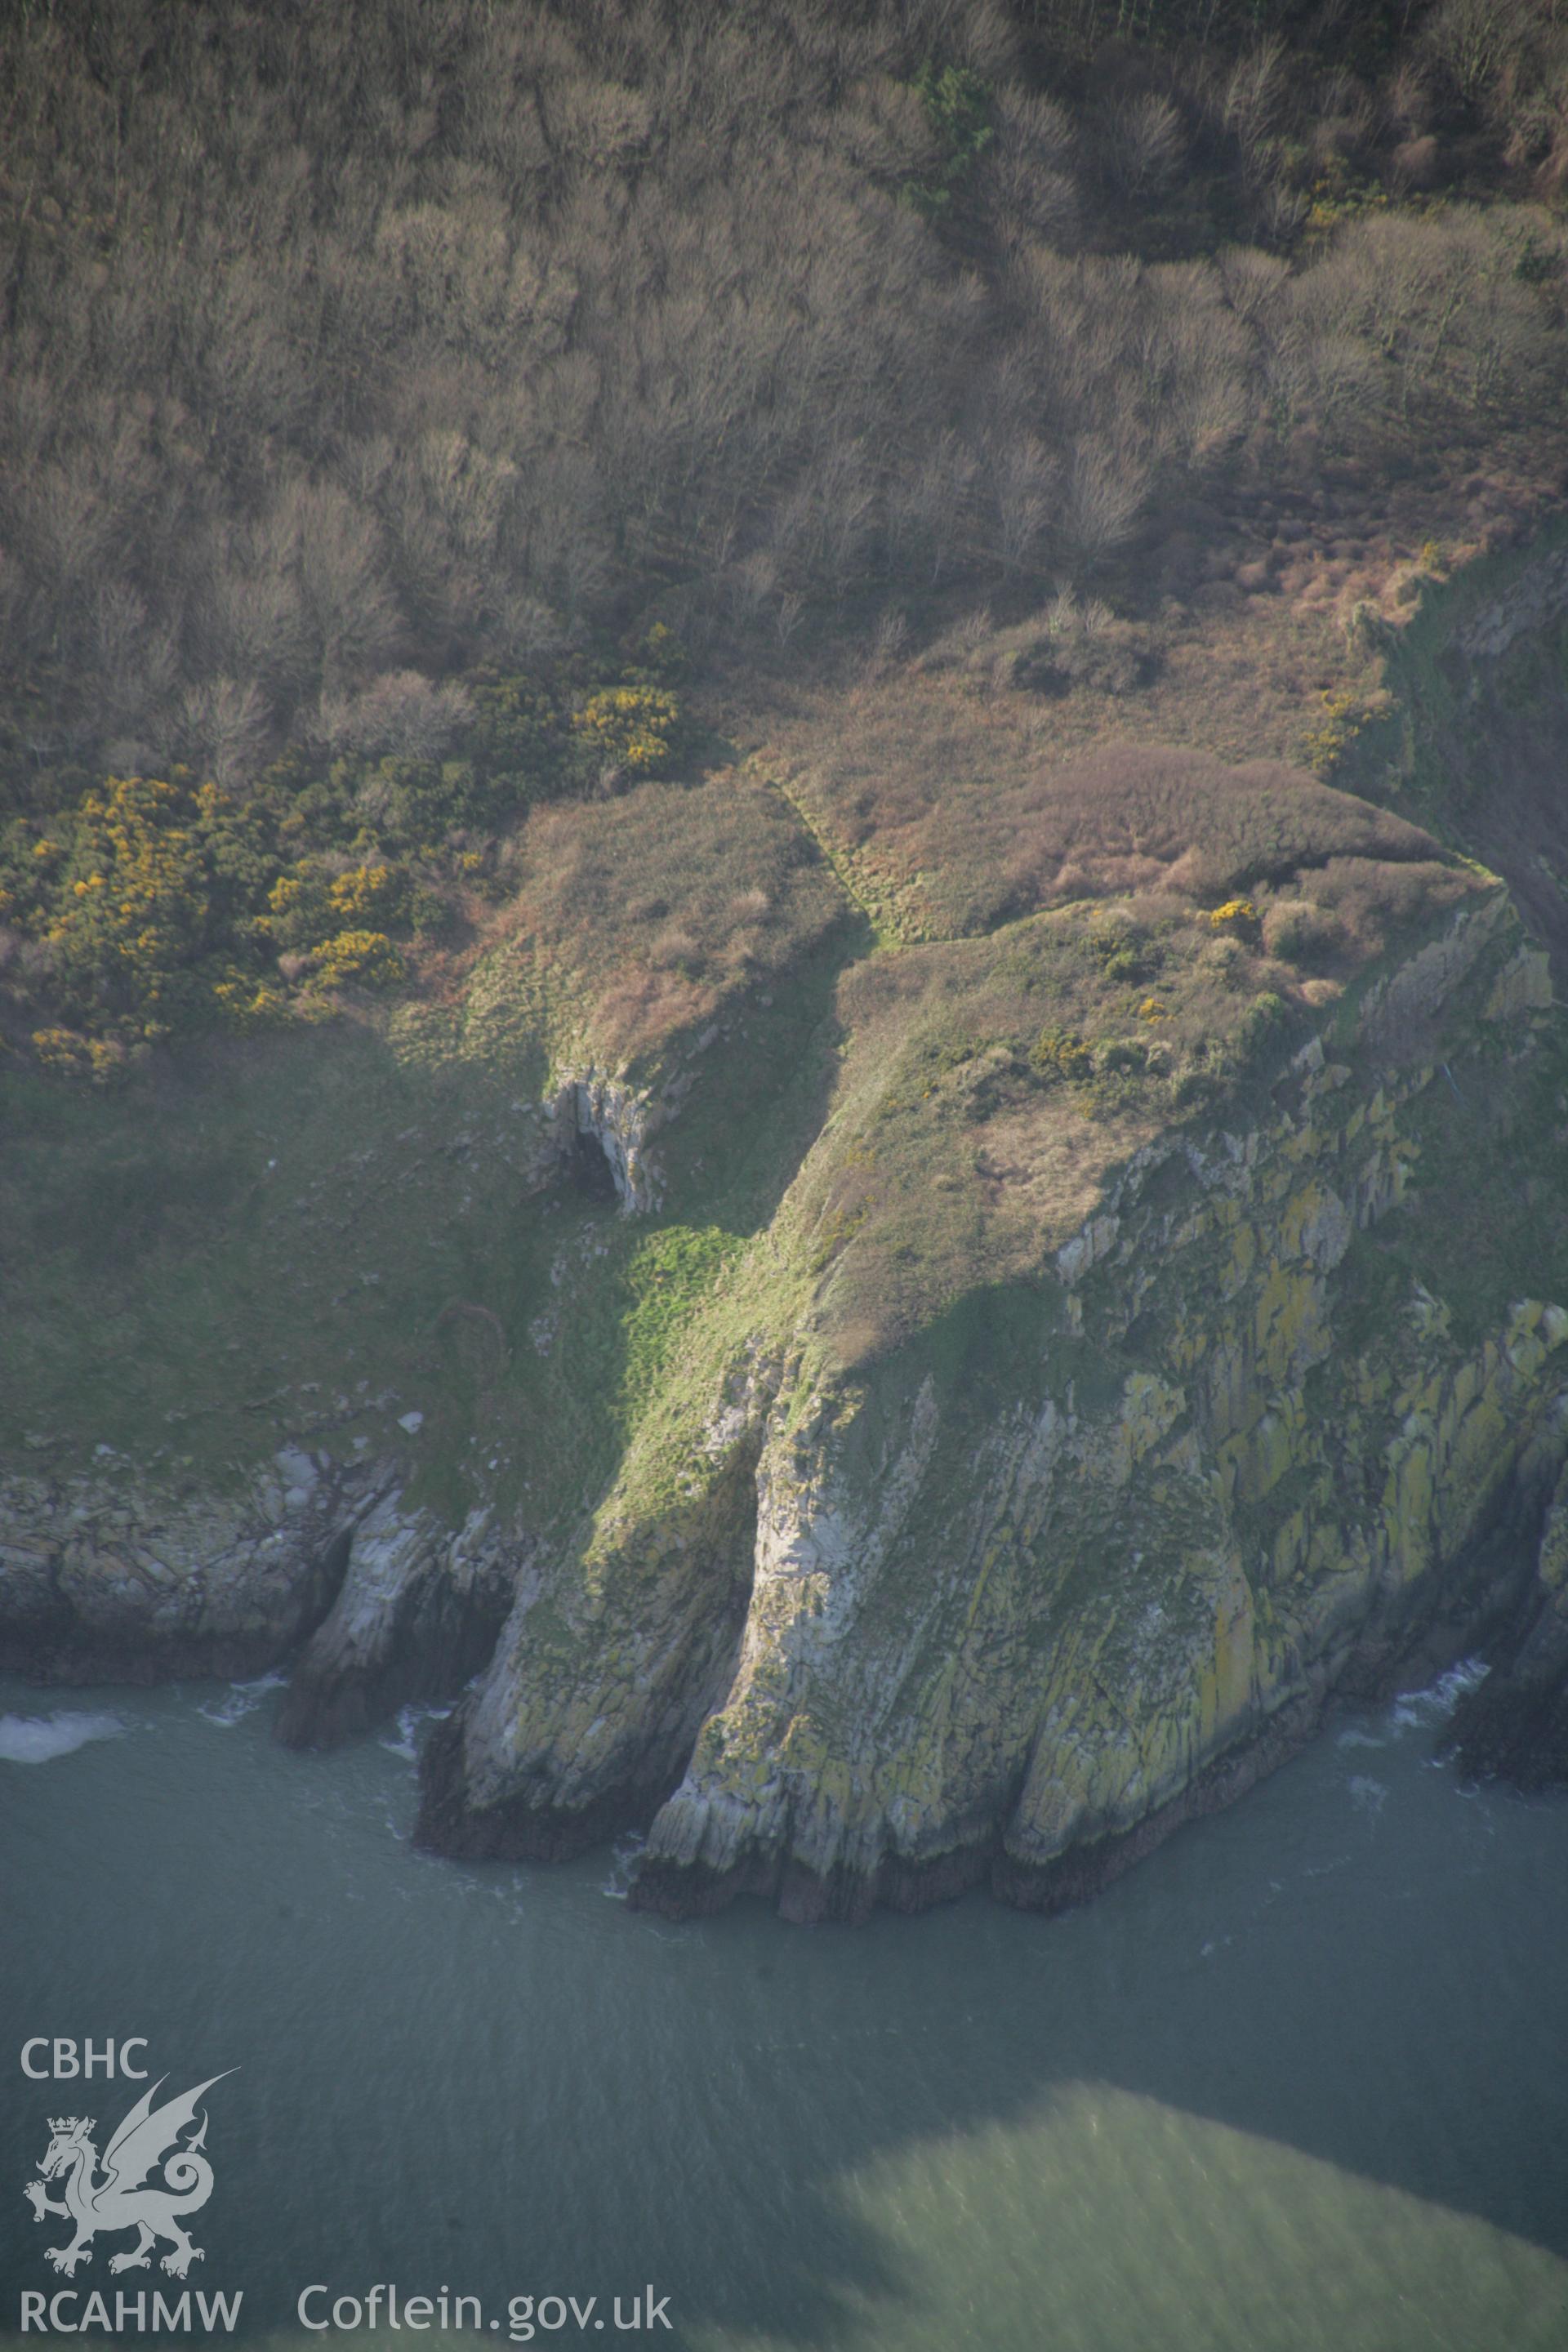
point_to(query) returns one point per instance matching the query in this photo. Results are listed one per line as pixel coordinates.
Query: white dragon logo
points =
(146, 2140)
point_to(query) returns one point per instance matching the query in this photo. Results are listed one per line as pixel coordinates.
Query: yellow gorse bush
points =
(1238, 918)
(130, 927)
(249, 1003)
(311, 904)
(1061, 1053)
(69, 1054)
(632, 728)
(367, 957)
(1327, 744)
(152, 904)
(366, 894)
(146, 916)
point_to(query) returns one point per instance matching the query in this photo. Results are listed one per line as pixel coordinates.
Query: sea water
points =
(1297, 2083)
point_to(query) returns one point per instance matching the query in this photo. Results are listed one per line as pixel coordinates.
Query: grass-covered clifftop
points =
(760, 982)
(408, 414)
(297, 1232)
(816, 1343)
(989, 1525)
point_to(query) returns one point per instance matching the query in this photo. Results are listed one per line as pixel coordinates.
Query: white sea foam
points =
(411, 1722)
(240, 1700)
(619, 1883)
(39, 1738)
(1424, 1710)
(1368, 1795)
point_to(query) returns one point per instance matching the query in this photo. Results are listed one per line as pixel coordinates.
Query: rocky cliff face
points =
(1515, 1724)
(1088, 1556)
(1124, 1592)
(1004, 1602)
(1072, 1412)
(108, 1579)
(605, 1113)
(103, 1577)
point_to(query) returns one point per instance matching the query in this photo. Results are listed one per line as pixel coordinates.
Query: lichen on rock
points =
(1084, 1552)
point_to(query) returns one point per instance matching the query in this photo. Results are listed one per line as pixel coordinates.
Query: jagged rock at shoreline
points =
(1514, 1724)
(1017, 1465)
(415, 1615)
(108, 1579)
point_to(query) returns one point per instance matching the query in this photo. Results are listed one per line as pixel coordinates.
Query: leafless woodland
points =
(342, 343)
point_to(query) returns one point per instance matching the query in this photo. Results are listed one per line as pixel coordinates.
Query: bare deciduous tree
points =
(339, 340)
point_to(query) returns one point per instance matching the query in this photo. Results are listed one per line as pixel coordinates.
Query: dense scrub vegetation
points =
(388, 392)
(140, 904)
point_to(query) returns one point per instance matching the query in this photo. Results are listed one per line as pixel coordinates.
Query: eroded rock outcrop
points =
(617, 1650)
(1514, 1725)
(1124, 1361)
(1116, 1593)
(1087, 1555)
(108, 1579)
(105, 1577)
(416, 1614)
(619, 1119)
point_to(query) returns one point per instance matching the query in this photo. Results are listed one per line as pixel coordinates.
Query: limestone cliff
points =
(109, 1577)
(106, 1577)
(942, 1416)
(1087, 1553)
(1515, 1724)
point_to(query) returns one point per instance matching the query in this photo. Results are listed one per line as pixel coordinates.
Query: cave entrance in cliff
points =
(590, 1170)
